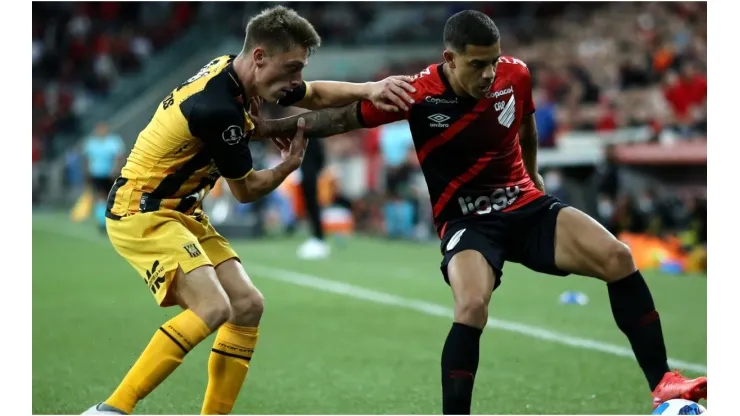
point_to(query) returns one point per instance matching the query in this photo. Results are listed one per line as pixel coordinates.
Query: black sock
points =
(635, 314)
(459, 365)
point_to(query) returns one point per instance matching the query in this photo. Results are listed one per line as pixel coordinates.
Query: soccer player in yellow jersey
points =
(198, 133)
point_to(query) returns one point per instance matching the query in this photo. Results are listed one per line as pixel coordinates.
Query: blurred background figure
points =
(398, 154)
(103, 154)
(316, 247)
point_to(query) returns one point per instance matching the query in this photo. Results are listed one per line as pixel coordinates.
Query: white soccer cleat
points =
(103, 409)
(314, 249)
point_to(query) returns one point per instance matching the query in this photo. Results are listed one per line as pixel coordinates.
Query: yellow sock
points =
(161, 357)
(227, 367)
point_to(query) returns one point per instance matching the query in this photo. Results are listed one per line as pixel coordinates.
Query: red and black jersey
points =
(468, 148)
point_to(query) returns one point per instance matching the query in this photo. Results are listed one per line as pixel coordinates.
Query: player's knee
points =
(247, 310)
(472, 310)
(214, 311)
(619, 261)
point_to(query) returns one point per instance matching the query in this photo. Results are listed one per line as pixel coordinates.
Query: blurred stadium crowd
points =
(597, 68)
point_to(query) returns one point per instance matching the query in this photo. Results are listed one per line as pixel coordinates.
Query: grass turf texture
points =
(330, 353)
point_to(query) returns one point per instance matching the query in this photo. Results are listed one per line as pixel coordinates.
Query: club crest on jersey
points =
(507, 113)
(232, 135)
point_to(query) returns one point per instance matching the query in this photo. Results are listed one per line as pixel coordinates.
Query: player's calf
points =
(584, 247)
(206, 308)
(235, 341)
(472, 281)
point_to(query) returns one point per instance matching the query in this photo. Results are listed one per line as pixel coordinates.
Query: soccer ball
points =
(679, 407)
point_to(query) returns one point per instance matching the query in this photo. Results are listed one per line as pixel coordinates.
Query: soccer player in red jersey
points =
(472, 121)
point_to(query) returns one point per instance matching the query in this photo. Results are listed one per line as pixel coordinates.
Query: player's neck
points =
(456, 87)
(246, 77)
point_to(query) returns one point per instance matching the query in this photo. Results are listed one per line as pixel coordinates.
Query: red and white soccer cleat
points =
(675, 386)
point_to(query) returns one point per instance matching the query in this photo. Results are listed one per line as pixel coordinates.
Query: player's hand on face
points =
(293, 150)
(392, 93)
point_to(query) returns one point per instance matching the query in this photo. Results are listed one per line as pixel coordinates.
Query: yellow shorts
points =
(156, 243)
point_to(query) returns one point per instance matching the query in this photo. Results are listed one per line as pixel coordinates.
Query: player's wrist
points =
(366, 89)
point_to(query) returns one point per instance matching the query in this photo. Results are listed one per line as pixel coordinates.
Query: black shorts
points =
(102, 185)
(525, 236)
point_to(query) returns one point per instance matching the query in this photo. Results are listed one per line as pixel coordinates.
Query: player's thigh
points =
(585, 247)
(532, 235)
(156, 244)
(246, 300)
(472, 264)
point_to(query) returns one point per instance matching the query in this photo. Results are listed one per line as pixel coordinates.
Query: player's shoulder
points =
(214, 80)
(218, 95)
(427, 82)
(512, 66)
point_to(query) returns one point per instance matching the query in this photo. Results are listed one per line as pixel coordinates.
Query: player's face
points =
(475, 68)
(279, 73)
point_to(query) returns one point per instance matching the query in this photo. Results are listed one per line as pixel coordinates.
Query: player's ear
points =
(258, 55)
(449, 56)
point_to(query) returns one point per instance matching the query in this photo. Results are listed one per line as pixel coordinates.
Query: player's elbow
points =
(242, 191)
(245, 196)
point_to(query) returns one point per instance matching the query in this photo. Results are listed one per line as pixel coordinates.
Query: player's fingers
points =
(300, 127)
(280, 143)
(277, 143)
(285, 141)
(403, 82)
(399, 96)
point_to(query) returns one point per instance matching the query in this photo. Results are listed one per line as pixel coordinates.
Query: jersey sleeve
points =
(528, 107)
(370, 116)
(294, 96)
(221, 126)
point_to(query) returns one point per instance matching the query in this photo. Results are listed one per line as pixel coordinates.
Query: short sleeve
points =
(528, 105)
(370, 116)
(222, 127)
(294, 96)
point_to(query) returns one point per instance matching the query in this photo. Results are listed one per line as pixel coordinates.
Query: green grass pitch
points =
(359, 333)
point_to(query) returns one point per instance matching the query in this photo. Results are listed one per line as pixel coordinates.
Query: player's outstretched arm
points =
(319, 124)
(528, 140)
(390, 94)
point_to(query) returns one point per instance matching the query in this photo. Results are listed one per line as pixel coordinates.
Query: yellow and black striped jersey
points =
(199, 132)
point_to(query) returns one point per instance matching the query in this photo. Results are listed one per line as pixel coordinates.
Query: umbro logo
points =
(439, 120)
